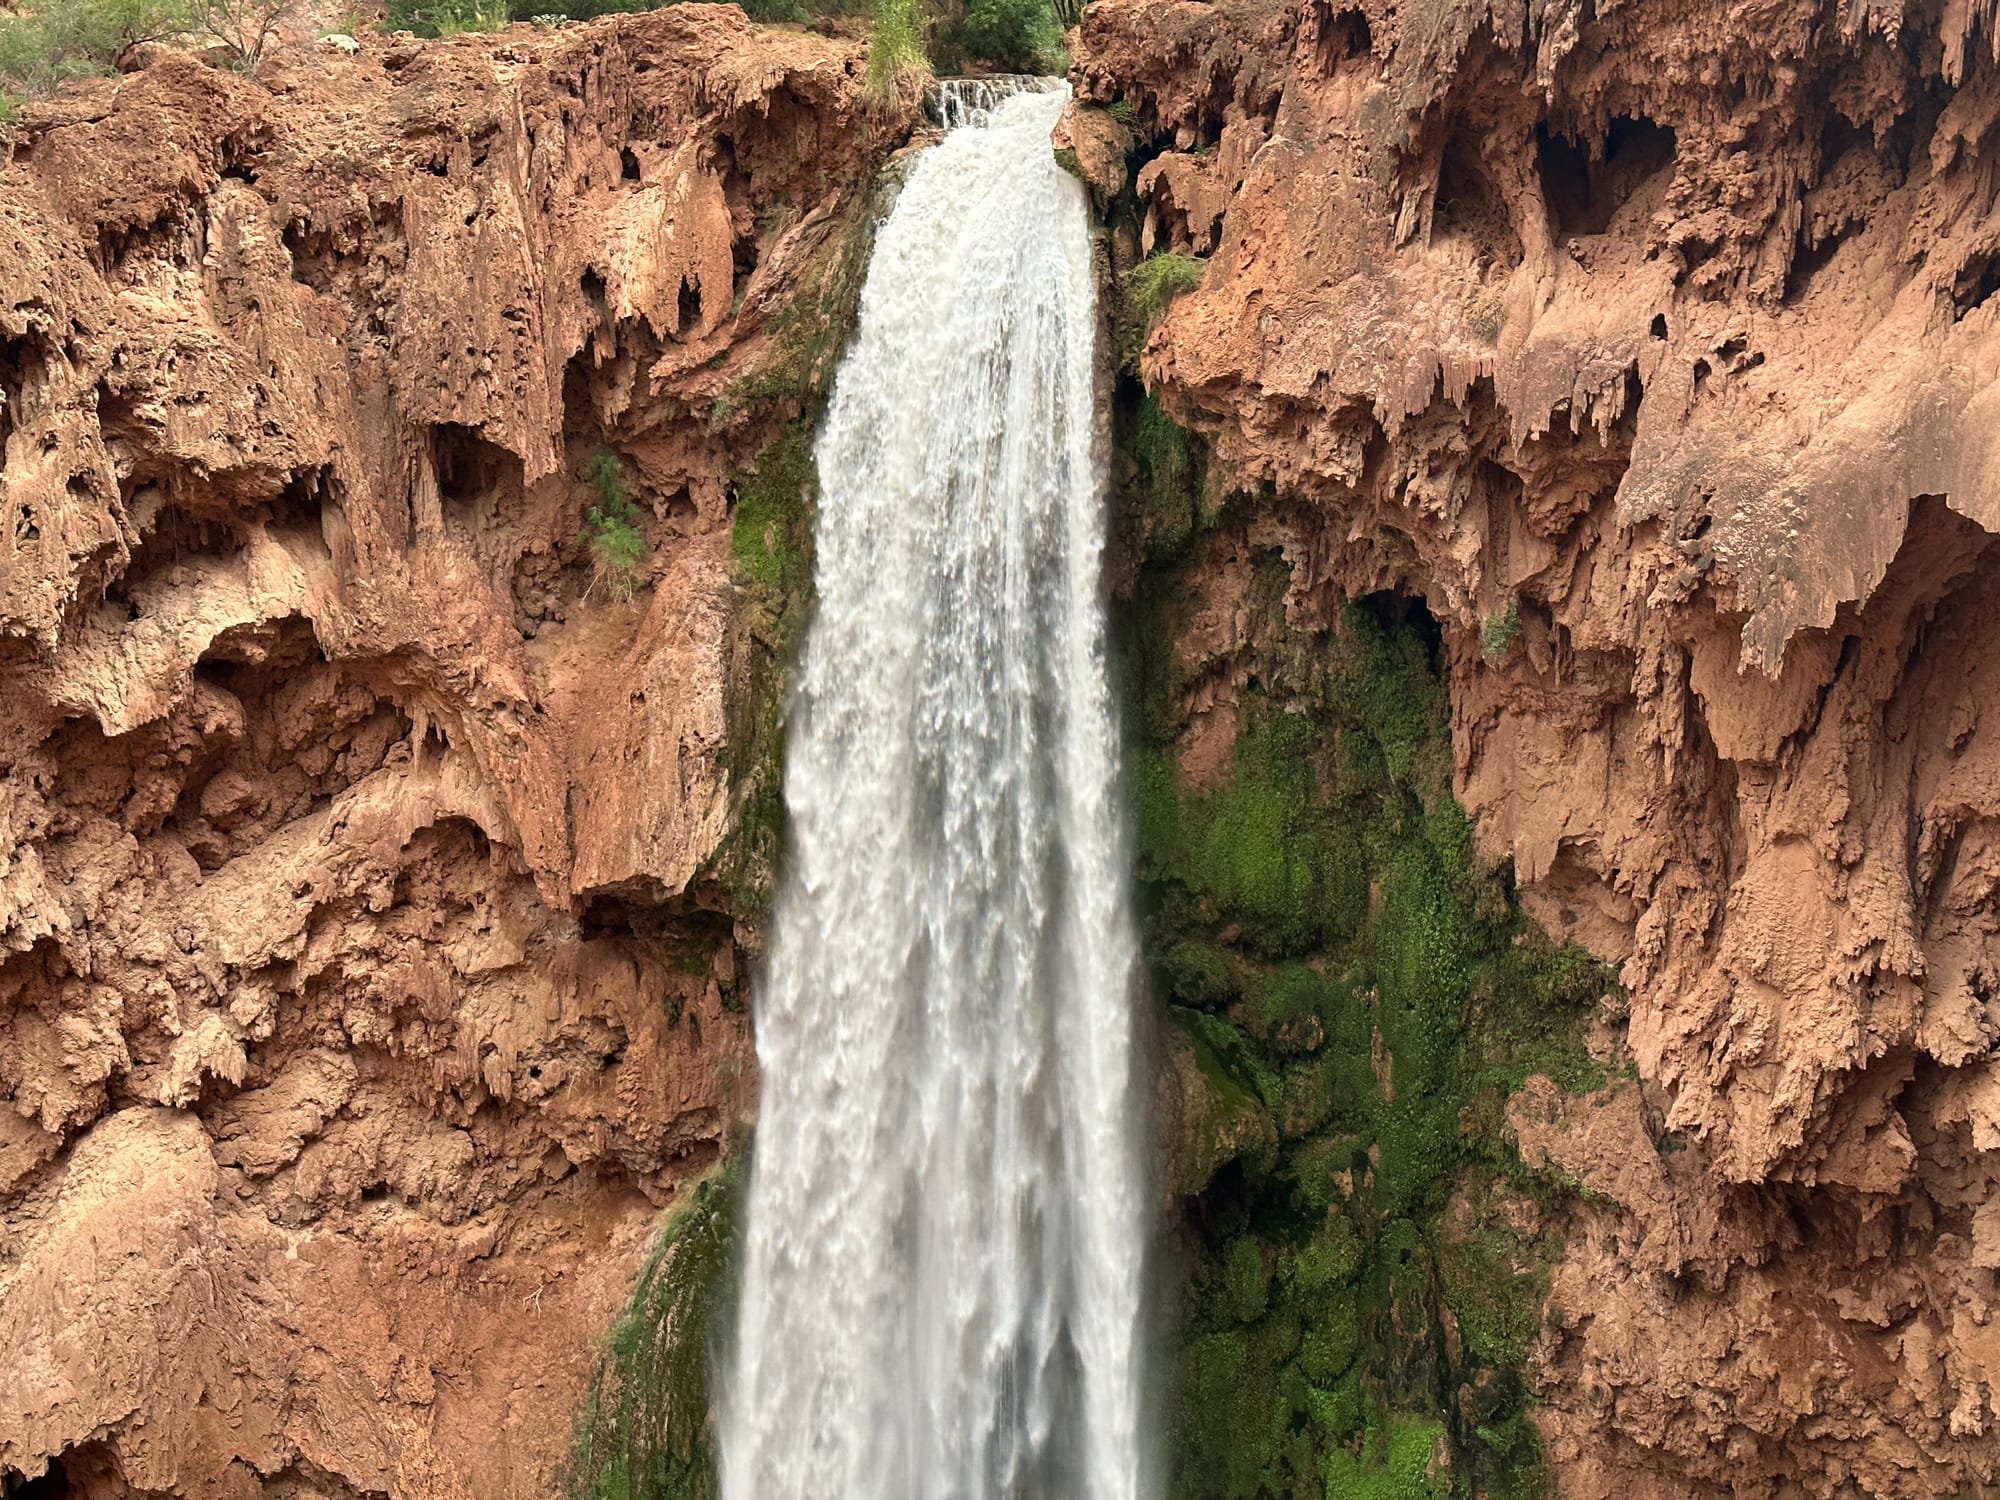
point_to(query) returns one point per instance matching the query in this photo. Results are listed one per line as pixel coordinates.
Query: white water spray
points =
(944, 1230)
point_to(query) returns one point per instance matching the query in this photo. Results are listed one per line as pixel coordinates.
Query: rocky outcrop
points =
(1658, 350)
(370, 971)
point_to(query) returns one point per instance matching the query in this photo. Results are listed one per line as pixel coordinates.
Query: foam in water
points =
(943, 1236)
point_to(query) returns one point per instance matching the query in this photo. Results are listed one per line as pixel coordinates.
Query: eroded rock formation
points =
(1657, 348)
(371, 872)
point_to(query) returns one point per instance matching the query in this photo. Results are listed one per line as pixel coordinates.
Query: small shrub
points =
(75, 38)
(897, 60)
(1498, 632)
(1019, 36)
(243, 26)
(1121, 110)
(611, 529)
(1149, 291)
(1486, 317)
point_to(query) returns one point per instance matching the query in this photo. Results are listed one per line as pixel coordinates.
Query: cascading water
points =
(943, 1237)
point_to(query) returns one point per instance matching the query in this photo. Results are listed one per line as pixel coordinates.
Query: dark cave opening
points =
(1468, 202)
(1584, 192)
(1976, 283)
(1398, 611)
(55, 1481)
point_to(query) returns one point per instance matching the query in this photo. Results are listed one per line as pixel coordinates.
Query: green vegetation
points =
(897, 57)
(772, 534)
(61, 39)
(1149, 290)
(1498, 632)
(771, 540)
(646, 1430)
(611, 529)
(1170, 479)
(908, 35)
(1356, 995)
(1016, 36)
(73, 38)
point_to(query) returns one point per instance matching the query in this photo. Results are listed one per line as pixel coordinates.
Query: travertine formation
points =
(367, 976)
(1657, 348)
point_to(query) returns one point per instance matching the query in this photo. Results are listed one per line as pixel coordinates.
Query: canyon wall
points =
(376, 865)
(1655, 349)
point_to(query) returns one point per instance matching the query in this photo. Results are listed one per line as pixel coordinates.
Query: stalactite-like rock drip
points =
(366, 978)
(1658, 349)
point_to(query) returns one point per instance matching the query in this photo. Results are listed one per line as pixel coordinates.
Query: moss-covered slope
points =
(1350, 996)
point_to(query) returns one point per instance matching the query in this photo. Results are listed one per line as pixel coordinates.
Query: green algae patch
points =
(646, 1431)
(1365, 1271)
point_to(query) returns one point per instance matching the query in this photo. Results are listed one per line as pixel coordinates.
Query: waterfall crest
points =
(943, 1235)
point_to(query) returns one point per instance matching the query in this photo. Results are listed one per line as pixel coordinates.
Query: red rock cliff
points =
(1657, 347)
(366, 980)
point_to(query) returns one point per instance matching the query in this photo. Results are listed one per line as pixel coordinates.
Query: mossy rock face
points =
(1351, 997)
(645, 1432)
(771, 542)
(1210, 1115)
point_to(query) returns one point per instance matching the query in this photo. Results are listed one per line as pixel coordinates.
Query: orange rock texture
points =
(370, 959)
(1657, 348)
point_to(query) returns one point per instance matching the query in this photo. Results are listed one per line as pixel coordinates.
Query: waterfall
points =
(940, 1285)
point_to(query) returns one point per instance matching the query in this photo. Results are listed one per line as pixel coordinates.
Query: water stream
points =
(940, 1294)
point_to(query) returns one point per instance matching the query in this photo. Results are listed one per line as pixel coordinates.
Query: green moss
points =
(1369, 985)
(1493, 1285)
(1221, 1118)
(771, 532)
(1246, 1279)
(1257, 850)
(1168, 464)
(646, 1431)
(1199, 974)
(1389, 1465)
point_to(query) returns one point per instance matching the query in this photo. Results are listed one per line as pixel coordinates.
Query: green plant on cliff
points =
(1149, 290)
(1498, 632)
(646, 1431)
(898, 60)
(61, 39)
(611, 529)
